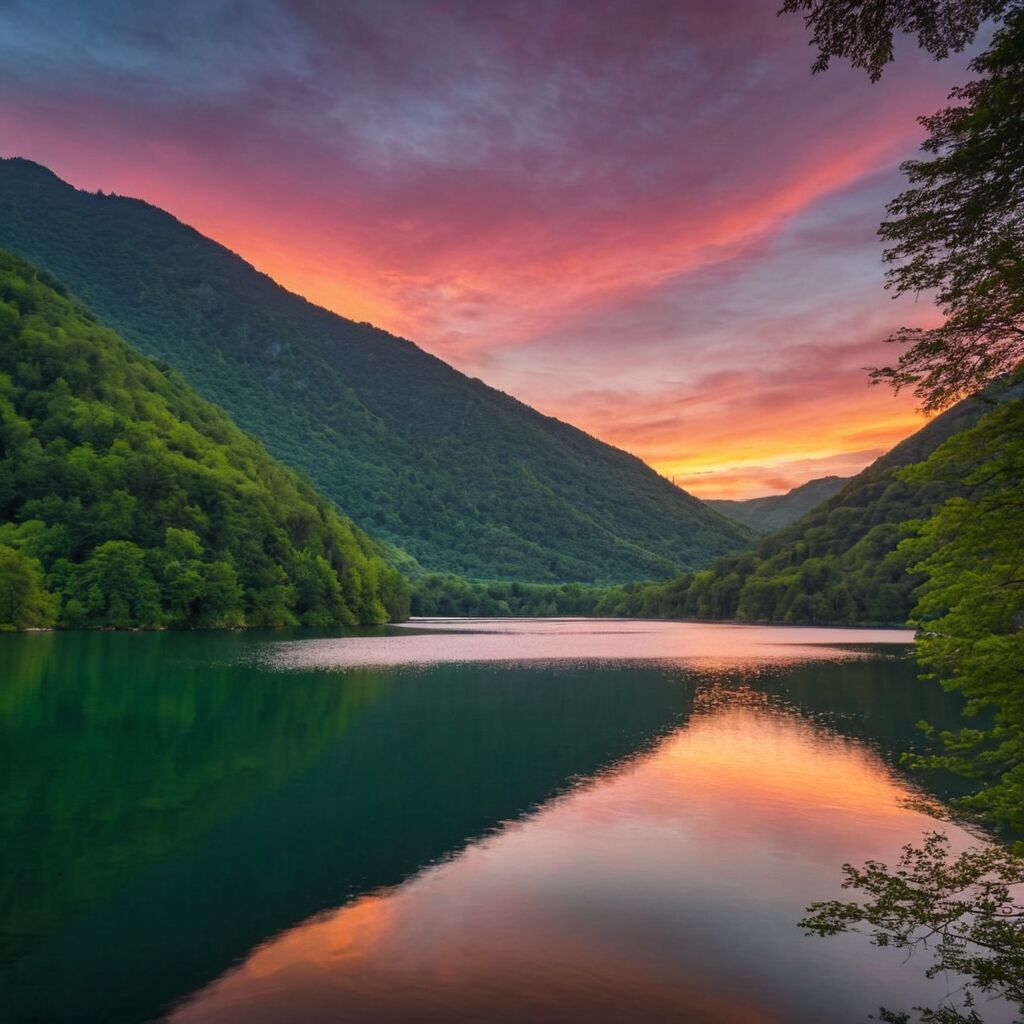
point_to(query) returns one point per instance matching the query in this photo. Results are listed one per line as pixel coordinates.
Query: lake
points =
(487, 821)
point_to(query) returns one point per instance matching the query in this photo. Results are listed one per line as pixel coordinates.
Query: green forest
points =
(131, 502)
(440, 595)
(185, 445)
(127, 501)
(844, 563)
(464, 478)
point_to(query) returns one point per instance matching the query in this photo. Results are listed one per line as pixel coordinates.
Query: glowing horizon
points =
(655, 225)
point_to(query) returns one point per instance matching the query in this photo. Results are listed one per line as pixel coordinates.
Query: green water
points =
(170, 802)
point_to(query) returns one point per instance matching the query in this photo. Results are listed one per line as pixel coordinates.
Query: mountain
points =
(774, 511)
(142, 503)
(839, 563)
(464, 478)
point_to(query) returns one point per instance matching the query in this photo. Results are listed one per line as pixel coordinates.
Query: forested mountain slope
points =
(774, 511)
(463, 477)
(126, 500)
(839, 563)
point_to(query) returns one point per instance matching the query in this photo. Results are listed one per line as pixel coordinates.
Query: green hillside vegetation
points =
(970, 608)
(128, 501)
(775, 511)
(840, 564)
(439, 595)
(464, 478)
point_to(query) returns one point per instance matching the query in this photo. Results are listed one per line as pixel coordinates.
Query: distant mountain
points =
(136, 503)
(773, 512)
(463, 477)
(837, 564)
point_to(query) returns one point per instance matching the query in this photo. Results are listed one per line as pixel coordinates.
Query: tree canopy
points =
(863, 31)
(958, 232)
(139, 504)
(970, 612)
(24, 602)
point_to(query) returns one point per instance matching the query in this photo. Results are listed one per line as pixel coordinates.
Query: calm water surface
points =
(560, 820)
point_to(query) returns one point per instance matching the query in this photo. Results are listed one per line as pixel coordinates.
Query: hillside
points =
(463, 477)
(774, 511)
(133, 502)
(838, 564)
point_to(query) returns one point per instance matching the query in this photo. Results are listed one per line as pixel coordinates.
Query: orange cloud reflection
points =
(666, 889)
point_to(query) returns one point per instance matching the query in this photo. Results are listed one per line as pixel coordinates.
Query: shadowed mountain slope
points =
(839, 563)
(774, 511)
(463, 477)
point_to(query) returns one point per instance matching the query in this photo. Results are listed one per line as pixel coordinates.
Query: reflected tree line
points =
(171, 778)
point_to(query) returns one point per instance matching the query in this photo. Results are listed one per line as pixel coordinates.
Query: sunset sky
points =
(646, 218)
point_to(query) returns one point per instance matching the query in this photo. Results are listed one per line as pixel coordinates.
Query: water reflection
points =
(554, 641)
(171, 802)
(664, 890)
(167, 805)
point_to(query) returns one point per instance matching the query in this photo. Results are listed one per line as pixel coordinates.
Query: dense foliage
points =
(971, 608)
(464, 478)
(958, 232)
(142, 504)
(863, 31)
(775, 511)
(452, 596)
(24, 602)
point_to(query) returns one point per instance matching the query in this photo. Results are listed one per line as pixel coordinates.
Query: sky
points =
(646, 218)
